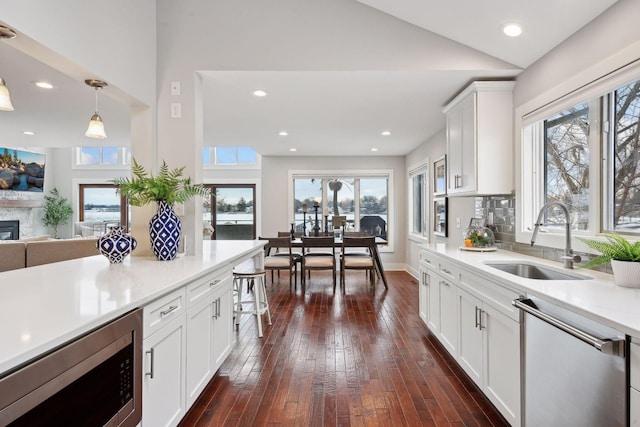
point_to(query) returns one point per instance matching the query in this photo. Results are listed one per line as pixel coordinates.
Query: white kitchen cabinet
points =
(163, 393)
(448, 316)
(209, 331)
(433, 304)
(470, 351)
(480, 139)
(423, 293)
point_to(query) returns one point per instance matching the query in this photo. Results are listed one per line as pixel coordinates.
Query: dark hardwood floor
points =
(359, 359)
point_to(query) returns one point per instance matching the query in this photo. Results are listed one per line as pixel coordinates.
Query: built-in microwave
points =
(95, 380)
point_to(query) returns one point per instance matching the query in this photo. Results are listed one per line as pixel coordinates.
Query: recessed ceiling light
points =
(374, 149)
(259, 93)
(292, 149)
(512, 29)
(44, 85)
(386, 133)
(283, 133)
(28, 132)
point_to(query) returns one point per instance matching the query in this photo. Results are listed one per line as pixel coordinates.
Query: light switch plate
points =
(176, 110)
(175, 88)
(457, 222)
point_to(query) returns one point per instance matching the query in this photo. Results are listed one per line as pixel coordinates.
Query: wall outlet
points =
(175, 88)
(176, 110)
(457, 222)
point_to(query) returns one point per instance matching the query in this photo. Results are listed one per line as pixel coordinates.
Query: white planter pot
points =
(626, 273)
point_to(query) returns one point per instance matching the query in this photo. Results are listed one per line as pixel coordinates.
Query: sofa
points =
(15, 254)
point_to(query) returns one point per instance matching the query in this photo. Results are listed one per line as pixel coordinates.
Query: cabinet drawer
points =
(448, 271)
(163, 310)
(427, 260)
(204, 287)
(634, 363)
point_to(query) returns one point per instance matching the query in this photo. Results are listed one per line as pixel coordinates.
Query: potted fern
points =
(166, 188)
(623, 255)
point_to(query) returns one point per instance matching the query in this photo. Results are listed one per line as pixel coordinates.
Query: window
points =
(566, 165)
(623, 214)
(102, 156)
(586, 156)
(418, 201)
(229, 156)
(102, 207)
(356, 202)
(229, 214)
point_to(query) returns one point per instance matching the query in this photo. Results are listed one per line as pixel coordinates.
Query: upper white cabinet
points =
(480, 140)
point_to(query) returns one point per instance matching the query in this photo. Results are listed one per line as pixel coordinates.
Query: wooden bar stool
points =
(255, 279)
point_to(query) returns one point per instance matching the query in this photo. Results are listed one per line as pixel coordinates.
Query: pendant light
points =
(96, 127)
(5, 98)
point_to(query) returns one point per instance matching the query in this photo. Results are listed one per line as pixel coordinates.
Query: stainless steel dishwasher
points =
(574, 369)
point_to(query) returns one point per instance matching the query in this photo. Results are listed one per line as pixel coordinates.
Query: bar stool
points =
(256, 279)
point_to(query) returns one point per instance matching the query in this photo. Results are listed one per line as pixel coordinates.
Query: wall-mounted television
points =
(21, 170)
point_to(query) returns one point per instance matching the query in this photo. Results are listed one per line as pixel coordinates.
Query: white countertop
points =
(598, 298)
(45, 306)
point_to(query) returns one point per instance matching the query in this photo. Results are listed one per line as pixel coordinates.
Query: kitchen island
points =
(46, 306)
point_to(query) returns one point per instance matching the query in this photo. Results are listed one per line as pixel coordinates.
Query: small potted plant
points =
(166, 188)
(57, 211)
(623, 255)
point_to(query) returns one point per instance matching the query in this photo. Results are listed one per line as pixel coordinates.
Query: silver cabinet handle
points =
(480, 325)
(444, 270)
(427, 279)
(169, 310)
(218, 308)
(477, 317)
(442, 282)
(215, 309)
(613, 346)
(457, 181)
(215, 282)
(150, 373)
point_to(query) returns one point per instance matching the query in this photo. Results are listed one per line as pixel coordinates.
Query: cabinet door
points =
(502, 362)
(467, 180)
(199, 348)
(423, 294)
(433, 304)
(222, 325)
(634, 407)
(470, 350)
(454, 149)
(163, 394)
(449, 316)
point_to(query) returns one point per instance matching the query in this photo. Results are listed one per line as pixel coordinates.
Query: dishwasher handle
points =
(613, 346)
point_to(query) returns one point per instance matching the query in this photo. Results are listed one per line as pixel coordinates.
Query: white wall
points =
(275, 184)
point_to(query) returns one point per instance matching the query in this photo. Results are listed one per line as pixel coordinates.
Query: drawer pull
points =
(442, 282)
(477, 321)
(150, 373)
(169, 310)
(444, 270)
(215, 282)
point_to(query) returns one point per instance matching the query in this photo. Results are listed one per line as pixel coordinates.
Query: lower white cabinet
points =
(209, 337)
(634, 390)
(449, 315)
(474, 320)
(423, 294)
(163, 394)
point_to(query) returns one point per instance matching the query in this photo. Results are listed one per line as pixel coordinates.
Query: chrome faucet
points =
(569, 258)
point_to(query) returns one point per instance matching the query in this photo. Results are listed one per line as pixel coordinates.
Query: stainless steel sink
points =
(535, 271)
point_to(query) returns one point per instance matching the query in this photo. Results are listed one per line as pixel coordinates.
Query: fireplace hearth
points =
(10, 230)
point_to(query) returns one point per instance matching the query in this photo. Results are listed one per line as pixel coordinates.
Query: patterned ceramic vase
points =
(116, 245)
(164, 229)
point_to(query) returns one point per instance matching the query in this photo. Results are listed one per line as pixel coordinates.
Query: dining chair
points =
(362, 259)
(283, 258)
(318, 253)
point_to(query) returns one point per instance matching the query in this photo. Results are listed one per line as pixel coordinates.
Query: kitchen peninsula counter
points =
(597, 298)
(46, 306)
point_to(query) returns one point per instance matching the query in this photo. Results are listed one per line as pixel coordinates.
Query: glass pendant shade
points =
(5, 99)
(96, 128)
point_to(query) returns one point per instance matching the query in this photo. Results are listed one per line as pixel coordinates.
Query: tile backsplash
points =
(499, 214)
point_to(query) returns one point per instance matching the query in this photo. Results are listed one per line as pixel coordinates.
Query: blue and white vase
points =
(116, 245)
(164, 229)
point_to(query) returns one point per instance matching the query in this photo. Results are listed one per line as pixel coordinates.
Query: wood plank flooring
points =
(360, 359)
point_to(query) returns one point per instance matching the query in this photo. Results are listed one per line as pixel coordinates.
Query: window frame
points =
(355, 174)
(212, 160)
(420, 169)
(124, 205)
(124, 157)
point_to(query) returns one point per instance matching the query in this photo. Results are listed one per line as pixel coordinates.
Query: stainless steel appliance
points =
(575, 369)
(95, 380)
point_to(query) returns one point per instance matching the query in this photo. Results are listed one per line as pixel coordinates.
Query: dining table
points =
(337, 242)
